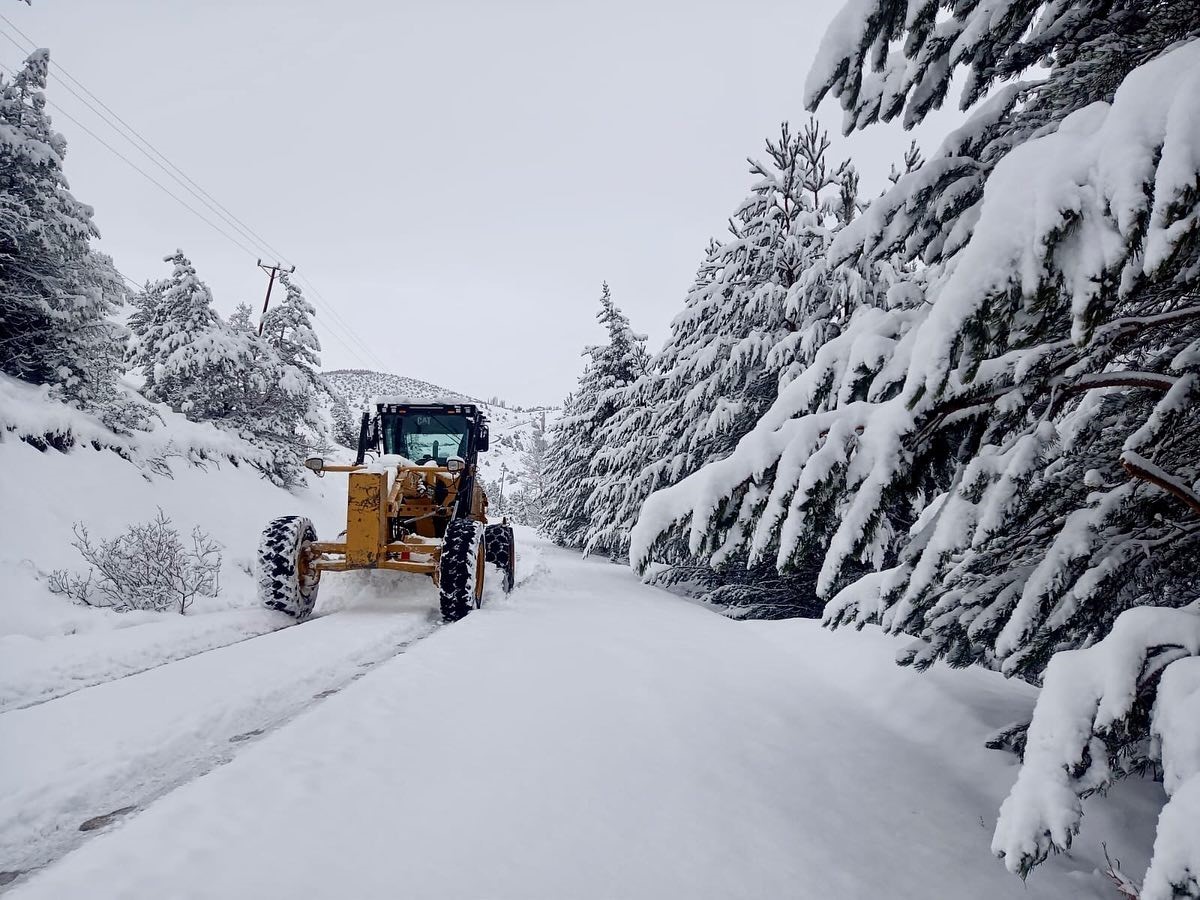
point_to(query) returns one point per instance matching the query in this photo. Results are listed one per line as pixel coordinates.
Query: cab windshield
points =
(425, 437)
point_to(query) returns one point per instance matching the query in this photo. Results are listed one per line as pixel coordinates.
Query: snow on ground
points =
(50, 646)
(594, 737)
(33, 671)
(122, 743)
(50, 491)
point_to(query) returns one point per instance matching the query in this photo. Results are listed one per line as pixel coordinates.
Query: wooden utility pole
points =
(272, 271)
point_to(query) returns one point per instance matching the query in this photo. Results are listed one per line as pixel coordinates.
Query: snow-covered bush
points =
(145, 567)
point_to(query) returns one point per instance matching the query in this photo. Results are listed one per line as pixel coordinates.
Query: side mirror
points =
(483, 439)
(316, 464)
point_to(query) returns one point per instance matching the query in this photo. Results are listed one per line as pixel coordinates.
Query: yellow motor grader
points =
(415, 506)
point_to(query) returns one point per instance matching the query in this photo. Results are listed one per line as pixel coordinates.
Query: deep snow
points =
(594, 737)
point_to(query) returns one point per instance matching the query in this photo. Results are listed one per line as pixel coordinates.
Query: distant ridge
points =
(358, 386)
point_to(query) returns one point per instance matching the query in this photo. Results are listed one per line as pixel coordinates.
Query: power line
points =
(147, 149)
(187, 183)
(344, 342)
(140, 170)
(307, 282)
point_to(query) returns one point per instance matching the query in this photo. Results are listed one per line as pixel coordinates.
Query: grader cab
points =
(414, 505)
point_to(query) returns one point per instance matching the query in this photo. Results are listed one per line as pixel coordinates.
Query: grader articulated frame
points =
(417, 507)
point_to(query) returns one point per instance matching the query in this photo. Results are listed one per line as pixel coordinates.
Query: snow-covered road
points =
(589, 737)
(124, 742)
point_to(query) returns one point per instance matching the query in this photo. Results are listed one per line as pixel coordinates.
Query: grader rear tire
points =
(283, 584)
(500, 549)
(458, 571)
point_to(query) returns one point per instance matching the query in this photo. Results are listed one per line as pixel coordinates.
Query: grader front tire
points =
(458, 571)
(501, 551)
(284, 582)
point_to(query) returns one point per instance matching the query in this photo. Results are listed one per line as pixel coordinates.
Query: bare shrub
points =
(146, 567)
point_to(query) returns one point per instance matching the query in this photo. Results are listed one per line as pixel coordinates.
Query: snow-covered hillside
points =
(358, 386)
(513, 430)
(196, 474)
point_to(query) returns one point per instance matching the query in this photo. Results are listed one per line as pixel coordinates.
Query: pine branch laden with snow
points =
(884, 59)
(1093, 704)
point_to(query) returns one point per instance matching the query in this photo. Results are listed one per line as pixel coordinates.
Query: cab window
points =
(425, 437)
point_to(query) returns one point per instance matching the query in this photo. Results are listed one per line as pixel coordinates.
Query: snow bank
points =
(28, 412)
(121, 743)
(48, 645)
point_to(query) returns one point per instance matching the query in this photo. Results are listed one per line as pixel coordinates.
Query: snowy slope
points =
(50, 491)
(592, 737)
(50, 647)
(512, 430)
(358, 386)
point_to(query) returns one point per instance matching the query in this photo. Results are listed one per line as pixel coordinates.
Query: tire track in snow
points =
(124, 743)
(36, 671)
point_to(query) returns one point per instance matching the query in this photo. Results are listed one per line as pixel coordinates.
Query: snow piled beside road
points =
(34, 671)
(50, 646)
(595, 737)
(45, 492)
(122, 743)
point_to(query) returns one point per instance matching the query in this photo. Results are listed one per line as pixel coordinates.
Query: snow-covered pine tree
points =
(288, 330)
(287, 327)
(1010, 443)
(56, 293)
(242, 318)
(213, 372)
(345, 427)
(175, 328)
(620, 361)
(528, 501)
(574, 441)
(761, 303)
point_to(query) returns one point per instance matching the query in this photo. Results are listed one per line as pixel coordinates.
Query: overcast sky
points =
(455, 178)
